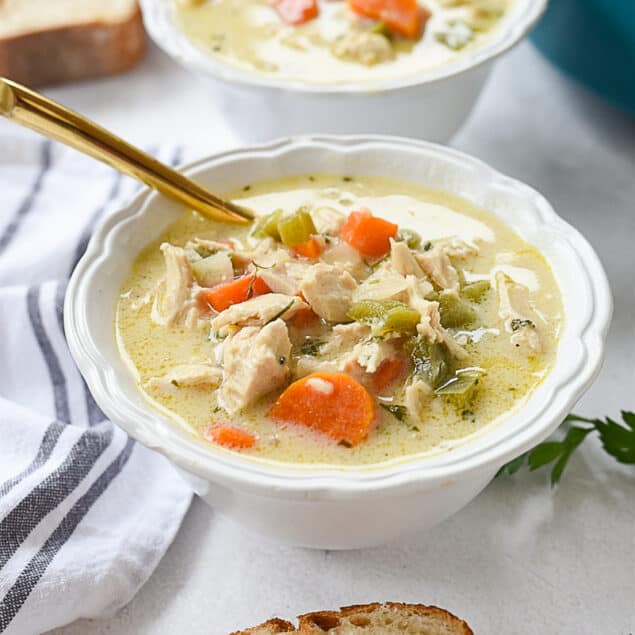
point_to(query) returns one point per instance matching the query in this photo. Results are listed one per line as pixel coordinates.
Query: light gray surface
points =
(521, 558)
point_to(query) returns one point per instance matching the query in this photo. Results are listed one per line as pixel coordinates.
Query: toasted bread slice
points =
(389, 618)
(53, 41)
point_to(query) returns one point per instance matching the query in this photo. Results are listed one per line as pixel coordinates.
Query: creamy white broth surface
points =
(250, 35)
(509, 374)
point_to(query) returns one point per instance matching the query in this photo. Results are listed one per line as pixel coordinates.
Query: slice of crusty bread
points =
(376, 619)
(53, 41)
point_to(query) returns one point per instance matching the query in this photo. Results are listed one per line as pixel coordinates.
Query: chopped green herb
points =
(399, 412)
(345, 443)
(311, 347)
(280, 313)
(246, 188)
(347, 179)
(174, 382)
(427, 246)
(517, 324)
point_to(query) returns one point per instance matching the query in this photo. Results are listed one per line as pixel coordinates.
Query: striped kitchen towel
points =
(85, 513)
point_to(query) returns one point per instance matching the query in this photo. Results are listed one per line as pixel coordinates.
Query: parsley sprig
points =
(617, 439)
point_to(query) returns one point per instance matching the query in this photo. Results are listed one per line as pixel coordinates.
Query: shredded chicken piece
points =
(370, 354)
(255, 362)
(344, 257)
(383, 284)
(457, 248)
(521, 320)
(329, 291)
(418, 395)
(285, 277)
(174, 302)
(257, 311)
(403, 261)
(437, 266)
(187, 375)
(363, 47)
(328, 220)
(430, 323)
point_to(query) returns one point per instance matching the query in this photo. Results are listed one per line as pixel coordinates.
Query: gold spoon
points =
(26, 107)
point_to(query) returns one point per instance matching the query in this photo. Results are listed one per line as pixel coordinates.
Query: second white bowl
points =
(429, 105)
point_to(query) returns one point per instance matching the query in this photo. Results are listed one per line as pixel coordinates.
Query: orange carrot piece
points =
(296, 11)
(303, 318)
(230, 437)
(235, 291)
(388, 373)
(368, 234)
(311, 249)
(404, 17)
(331, 403)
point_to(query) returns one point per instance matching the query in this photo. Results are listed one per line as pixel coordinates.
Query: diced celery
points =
(385, 316)
(296, 228)
(464, 381)
(214, 269)
(267, 226)
(431, 362)
(475, 291)
(455, 313)
(380, 28)
(410, 237)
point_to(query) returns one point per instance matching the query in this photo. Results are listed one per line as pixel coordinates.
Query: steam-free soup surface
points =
(337, 43)
(447, 321)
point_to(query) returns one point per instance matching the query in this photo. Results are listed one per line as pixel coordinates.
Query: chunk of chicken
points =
(418, 395)
(370, 354)
(285, 277)
(521, 319)
(255, 362)
(328, 220)
(457, 248)
(175, 300)
(363, 47)
(257, 311)
(437, 266)
(187, 375)
(383, 284)
(344, 257)
(430, 322)
(329, 291)
(403, 261)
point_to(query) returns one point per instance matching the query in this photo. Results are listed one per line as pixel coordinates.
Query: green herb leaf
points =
(617, 440)
(311, 347)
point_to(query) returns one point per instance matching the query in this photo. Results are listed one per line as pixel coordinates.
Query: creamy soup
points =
(337, 41)
(359, 321)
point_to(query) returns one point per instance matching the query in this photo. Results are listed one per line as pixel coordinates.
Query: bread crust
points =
(276, 625)
(73, 52)
(322, 621)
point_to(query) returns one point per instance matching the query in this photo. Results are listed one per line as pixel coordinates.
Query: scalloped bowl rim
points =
(168, 37)
(559, 391)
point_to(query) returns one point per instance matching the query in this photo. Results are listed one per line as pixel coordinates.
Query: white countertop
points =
(519, 559)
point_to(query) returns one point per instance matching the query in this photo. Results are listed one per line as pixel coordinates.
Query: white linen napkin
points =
(85, 512)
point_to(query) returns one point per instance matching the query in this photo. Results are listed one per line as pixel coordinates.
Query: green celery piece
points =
(296, 228)
(474, 291)
(463, 381)
(410, 237)
(385, 316)
(268, 226)
(432, 362)
(454, 312)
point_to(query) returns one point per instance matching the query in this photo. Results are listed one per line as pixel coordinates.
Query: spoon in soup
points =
(28, 108)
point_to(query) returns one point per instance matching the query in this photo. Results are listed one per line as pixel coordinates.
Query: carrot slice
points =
(368, 234)
(388, 373)
(296, 11)
(310, 249)
(230, 437)
(303, 318)
(404, 17)
(236, 291)
(331, 403)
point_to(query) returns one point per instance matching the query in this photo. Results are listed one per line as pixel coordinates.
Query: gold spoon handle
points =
(53, 120)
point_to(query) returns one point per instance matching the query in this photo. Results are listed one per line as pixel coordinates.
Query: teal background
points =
(594, 42)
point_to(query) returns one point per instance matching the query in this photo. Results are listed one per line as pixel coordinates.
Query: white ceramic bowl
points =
(429, 105)
(341, 508)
